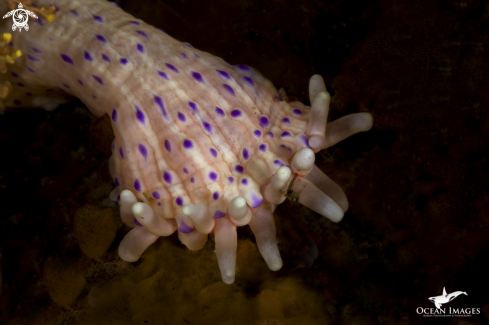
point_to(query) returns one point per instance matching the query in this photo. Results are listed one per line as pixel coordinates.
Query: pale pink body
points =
(189, 127)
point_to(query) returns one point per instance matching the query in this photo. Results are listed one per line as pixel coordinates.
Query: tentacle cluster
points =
(313, 188)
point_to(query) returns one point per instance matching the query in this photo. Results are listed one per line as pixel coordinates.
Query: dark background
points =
(417, 183)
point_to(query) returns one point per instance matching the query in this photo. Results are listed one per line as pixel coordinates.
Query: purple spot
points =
(137, 185)
(156, 195)
(297, 111)
(187, 144)
(213, 176)
(66, 58)
(235, 113)
(223, 74)
(97, 18)
(285, 134)
(142, 34)
(134, 22)
(192, 180)
(161, 30)
(159, 203)
(75, 13)
(184, 228)
(140, 115)
(256, 200)
(262, 147)
(37, 50)
(243, 67)
(114, 115)
(305, 140)
(249, 81)
(257, 133)
(105, 57)
(215, 195)
(140, 48)
(239, 168)
(286, 120)
(167, 145)
(219, 214)
(162, 74)
(123, 61)
(188, 44)
(264, 121)
(207, 126)
(185, 56)
(197, 76)
(39, 21)
(117, 182)
(167, 177)
(161, 105)
(244, 181)
(87, 56)
(65, 85)
(115, 4)
(30, 69)
(20, 84)
(99, 80)
(15, 75)
(213, 152)
(246, 155)
(101, 38)
(229, 89)
(143, 151)
(79, 81)
(94, 96)
(171, 67)
(230, 179)
(136, 222)
(196, 55)
(219, 111)
(270, 134)
(181, 117)
(27, 93)
(185, 170)
(32, 58)
(192, 105)
(121, 152)
(179, 201)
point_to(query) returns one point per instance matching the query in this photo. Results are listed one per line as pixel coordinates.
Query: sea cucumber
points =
(201, 146)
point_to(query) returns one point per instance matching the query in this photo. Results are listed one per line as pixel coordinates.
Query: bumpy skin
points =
(192, 132)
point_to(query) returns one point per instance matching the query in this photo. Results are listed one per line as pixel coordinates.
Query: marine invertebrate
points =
(200, 145)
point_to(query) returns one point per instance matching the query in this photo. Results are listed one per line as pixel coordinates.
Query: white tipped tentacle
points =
(136, 241)
(347, 126)
(147, 217)
(303, 161)
(275, 190)
(328, 186)
(316, 85)
(239, 212)
(316, 128)
(127, 201)
(200, 216)
(313, 198)
(226, 245)
(263, 226)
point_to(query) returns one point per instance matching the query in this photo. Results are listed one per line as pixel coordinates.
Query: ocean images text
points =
(451, 311)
